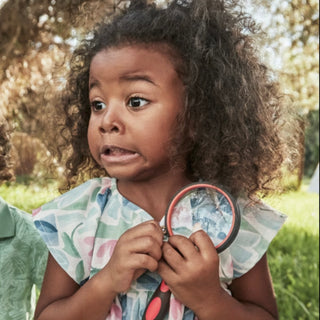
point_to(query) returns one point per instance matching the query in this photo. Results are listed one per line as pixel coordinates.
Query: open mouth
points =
(115, 151)
(116, 155)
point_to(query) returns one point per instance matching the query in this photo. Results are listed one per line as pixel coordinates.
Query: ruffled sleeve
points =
(68, 225)
(259, 225)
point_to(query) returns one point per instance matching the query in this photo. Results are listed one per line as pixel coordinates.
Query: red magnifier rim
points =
(193, 186)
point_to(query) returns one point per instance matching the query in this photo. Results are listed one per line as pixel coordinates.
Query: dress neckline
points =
(115, 191)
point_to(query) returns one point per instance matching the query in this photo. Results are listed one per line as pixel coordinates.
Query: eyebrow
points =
(131, 77)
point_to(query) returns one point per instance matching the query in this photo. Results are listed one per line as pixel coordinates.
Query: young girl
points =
(159, 98)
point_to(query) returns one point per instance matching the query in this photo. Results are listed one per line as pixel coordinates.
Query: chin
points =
(131, 177)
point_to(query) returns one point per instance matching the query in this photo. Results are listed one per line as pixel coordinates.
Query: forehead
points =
(157, 60)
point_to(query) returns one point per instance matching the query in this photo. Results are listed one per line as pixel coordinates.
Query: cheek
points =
(92, 139)
(156, 140)
(157, 132)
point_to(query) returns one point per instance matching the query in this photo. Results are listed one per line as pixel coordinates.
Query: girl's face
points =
(135, 95)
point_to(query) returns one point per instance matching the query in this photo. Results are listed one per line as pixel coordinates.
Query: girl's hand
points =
(137, 250)
(190, 267)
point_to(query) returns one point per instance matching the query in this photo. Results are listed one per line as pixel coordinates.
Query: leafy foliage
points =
(312, 143)
(36, 40)
(293, 30)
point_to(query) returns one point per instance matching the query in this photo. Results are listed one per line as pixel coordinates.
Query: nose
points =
(111, 121)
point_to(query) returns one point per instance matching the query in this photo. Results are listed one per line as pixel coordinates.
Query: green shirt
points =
(23, 258)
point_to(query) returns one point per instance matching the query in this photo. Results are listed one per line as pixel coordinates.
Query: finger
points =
(166, 272)
(142, 245)
(204, 244)
(150, 228)
(172, 256)
(144, 261)
(139, 261)
(176, 260)
(138, 273)
(183, 245)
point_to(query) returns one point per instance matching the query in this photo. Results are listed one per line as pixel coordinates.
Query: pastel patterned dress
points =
(81, 229)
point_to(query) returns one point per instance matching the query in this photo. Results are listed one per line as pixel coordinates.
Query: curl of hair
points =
(231, 128)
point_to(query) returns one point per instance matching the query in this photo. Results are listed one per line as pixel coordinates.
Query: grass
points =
(293, 255)
(28, 196)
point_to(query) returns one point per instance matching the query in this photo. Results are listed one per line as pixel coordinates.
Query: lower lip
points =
(119, 158)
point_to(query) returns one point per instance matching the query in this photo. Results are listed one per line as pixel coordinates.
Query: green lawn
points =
(28, 197)
(293, 255)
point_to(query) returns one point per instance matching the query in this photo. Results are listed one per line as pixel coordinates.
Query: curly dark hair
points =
(5, 146)
(231, 127)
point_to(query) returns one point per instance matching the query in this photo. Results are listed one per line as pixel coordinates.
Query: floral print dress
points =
(81, 229)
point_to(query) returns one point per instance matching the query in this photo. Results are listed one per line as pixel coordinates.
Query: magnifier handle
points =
(158, 306)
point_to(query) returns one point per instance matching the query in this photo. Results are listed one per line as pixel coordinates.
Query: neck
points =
(153, 195)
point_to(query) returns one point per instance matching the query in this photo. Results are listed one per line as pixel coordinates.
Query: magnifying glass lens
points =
(203, 208)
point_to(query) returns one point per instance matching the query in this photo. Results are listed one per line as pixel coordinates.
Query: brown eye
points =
(136, 102)
(97, 105)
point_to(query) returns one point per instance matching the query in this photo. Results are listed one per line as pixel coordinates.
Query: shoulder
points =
(260, 208)
(259, 218)
(259, 225)
(68, 225)
(79, 197)
(74, 205)
(32, 250)
(24, 227)
(21, 217)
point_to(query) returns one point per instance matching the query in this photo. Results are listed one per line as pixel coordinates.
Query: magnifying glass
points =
(197, 206)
